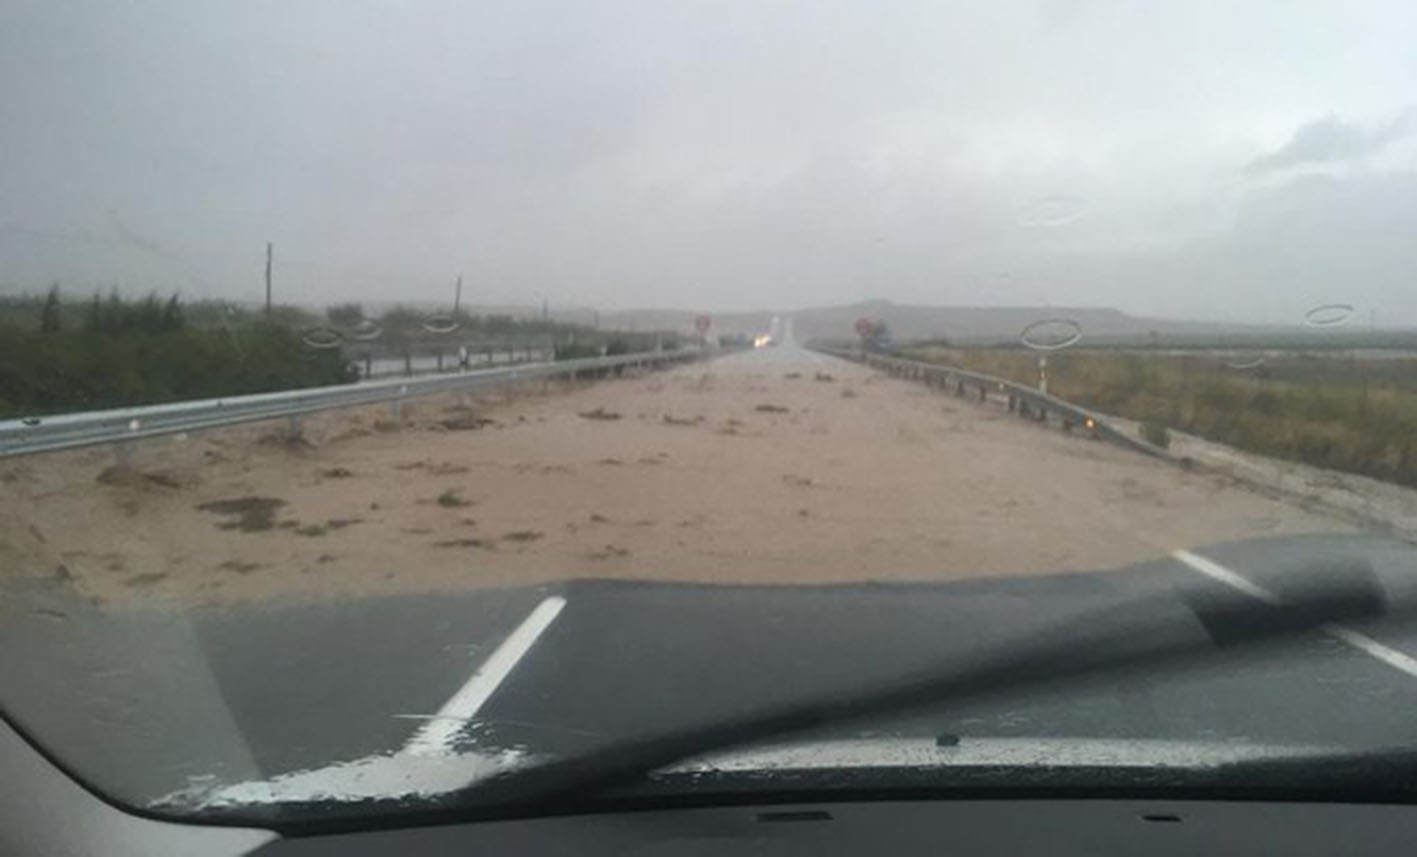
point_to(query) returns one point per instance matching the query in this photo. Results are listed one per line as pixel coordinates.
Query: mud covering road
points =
(772, 466)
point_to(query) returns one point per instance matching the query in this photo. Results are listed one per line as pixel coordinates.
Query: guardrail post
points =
(439, 355)
(368, 365)
(292, 425)
(1013, 402)
(983, 392)
(407, 363)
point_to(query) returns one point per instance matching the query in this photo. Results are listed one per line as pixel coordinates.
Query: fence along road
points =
(30, 435)
(389, 362)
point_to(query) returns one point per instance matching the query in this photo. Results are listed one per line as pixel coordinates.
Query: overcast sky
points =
(1205, 158)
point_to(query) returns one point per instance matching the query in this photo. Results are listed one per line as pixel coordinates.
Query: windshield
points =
(397, 398)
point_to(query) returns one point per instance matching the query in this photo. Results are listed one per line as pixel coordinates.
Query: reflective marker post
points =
(1070, 332)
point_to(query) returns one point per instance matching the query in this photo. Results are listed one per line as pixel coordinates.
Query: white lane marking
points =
(1225, 576)
(1362, 642)
(1391, 657)
(436, 736)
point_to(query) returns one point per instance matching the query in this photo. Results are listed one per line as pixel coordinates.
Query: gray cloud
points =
(1331, 139)
(718, 155)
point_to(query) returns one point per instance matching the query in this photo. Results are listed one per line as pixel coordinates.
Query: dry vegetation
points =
(1332, 411)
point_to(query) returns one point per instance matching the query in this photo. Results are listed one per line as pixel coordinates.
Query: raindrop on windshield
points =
(365, 330)
(321, 337)
(1051, 334)
(1057, 210)
(441, 323)
(1328, 315)
(1242, 361)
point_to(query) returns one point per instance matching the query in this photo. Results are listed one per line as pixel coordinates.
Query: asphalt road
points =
(142, 704)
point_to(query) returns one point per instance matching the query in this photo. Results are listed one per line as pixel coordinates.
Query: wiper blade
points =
(1121, 637)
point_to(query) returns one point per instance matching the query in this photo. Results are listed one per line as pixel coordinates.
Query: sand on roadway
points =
(775, 466)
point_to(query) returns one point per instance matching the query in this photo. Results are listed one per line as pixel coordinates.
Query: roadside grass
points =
(1358, 416)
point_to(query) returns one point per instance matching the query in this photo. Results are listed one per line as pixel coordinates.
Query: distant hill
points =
(916, 322)
(907, 322)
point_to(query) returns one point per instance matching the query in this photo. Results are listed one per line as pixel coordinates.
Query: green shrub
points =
(76, 370)
(576, 351)
(145, 316)
(347, 315)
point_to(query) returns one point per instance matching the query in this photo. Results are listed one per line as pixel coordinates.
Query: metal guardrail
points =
(68, 431)
(1027, 402)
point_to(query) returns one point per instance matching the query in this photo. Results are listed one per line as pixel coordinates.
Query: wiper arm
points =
(1121, 637)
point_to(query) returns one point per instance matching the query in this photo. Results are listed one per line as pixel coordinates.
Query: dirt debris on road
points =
(898, 487)
(599, 413)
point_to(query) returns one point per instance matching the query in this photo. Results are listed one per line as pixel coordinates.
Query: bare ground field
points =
(779, 469)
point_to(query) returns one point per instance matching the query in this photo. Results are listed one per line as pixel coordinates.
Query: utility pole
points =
(457, 295)
(268, 281)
